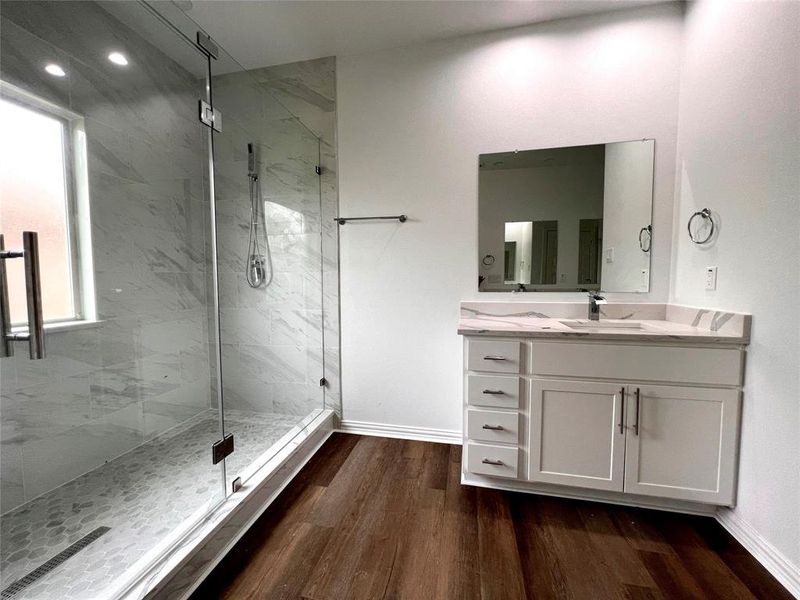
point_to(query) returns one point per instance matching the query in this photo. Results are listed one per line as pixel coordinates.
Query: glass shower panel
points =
(267, 192)
(105, 446)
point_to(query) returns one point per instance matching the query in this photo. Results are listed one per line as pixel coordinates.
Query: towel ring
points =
(649, 230)
(706, 215)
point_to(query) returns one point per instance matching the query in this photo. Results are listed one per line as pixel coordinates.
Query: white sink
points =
(602, 324)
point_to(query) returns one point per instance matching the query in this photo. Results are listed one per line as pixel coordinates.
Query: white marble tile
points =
(247, 394)
(246, 325)
(57, 459)
(296, 398)
(286, 290)
(166, 251)
(125, 292)
(298, 327)
(12, 493)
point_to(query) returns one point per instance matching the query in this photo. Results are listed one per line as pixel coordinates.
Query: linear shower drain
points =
(42, 570)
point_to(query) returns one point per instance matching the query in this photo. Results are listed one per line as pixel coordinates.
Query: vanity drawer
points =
(708, 366)
(493, 426)
(496, 461)
(493, 356)
(493, 390)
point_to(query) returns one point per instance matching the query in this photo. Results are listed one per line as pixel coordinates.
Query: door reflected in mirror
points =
(567, 219)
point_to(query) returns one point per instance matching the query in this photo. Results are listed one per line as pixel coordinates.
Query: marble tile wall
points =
(274, 339)
(144, 368)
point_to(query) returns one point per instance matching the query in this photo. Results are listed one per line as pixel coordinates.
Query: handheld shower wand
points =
(257, 263)
(251, 161)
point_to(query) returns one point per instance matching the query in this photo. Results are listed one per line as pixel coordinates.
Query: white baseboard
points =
(770, 557)
(423, 434)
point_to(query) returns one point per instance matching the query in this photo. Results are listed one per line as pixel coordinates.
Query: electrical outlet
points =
(711, 278)
(645, 282)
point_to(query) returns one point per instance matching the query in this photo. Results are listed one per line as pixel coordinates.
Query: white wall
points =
(411, 125)
(627, 180)
(739, 155)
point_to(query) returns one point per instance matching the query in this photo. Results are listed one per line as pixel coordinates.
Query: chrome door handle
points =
(33, 287)
(489, 461)
(638, 403)
(33, 290)
(622, 411)
(493, 427)
(7, 341)
(494, 358)
(494, 392)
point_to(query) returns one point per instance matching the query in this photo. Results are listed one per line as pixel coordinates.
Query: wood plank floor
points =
(377, 518)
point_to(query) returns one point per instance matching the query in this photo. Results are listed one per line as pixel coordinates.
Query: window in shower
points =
(43, 188)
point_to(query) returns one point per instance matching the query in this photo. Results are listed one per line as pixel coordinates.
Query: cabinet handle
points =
(622, 412)
(489, 461)
(638, 402)
(494, 392)
(494, 358)
(493, 427)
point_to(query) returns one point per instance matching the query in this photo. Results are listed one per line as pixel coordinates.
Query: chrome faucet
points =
(595, 300)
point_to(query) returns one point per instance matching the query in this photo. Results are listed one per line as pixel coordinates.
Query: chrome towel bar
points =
(343, 220)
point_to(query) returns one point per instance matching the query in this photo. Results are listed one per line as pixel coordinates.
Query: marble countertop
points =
(658, 323)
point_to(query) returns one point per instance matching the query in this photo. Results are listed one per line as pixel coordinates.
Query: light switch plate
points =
(711, 278)
(609, 255)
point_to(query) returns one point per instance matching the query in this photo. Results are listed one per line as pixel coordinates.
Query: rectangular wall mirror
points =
(566, 219)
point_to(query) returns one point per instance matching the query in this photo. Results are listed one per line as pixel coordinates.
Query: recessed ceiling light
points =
(118, 58)
(54, 69)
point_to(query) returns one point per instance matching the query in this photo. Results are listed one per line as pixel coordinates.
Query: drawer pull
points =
(493, 427)
(494, 358)
(489, 461)
(494, 392)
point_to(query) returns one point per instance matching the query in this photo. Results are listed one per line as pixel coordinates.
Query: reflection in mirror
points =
(567, 219)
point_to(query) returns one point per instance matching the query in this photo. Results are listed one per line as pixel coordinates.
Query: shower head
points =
(251, 160)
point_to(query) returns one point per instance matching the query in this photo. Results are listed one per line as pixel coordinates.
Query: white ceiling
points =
(269, 32)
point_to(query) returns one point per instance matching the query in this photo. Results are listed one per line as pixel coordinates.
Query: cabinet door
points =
(682, 442)
(577, 436)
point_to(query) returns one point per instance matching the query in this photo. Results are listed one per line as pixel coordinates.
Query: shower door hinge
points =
(323, 382)
(207, 45)
(318, 170)
(211, 117)
(221, 448)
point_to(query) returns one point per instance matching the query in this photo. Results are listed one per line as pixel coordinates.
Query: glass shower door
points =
(267, 190)
(105, 445)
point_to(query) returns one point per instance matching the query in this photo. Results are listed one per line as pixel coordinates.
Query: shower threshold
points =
(148, 498)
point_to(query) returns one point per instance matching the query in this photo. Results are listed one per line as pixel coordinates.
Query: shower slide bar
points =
(343, 220)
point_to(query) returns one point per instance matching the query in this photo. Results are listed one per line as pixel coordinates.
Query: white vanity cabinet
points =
(649, 423)
(577, 434)
(681, 442)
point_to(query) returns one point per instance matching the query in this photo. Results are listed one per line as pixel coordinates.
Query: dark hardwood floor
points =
(379, 518)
